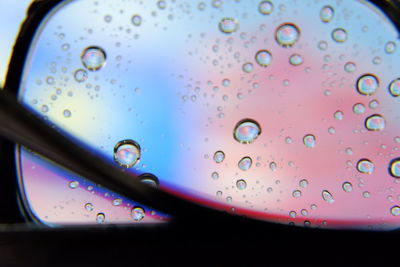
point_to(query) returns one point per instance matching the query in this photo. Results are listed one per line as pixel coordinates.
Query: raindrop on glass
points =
(296, 193)
(322, 45)
(347, 187)
(219, 156)
(273, 166)
(67, 113)
(93, 58)
(375, 123)
(265, 7)
(287, 34)
(296, 60)
(80, 75)
(339, 35)
(390, 47)
(100, 218)
(327, 196)
(241, 184)
(338, 115)
(117, 202)
(395, 210)
(228, 25)
(263, 58)
(394, 87)
(365, 166)
(394, 168)
(326, 14)
(73, 184)
(246, 131)
(247, 67)
(89, 206)
(303, 183)
(149, 179)
(367, 84)
(350, 67)
(245, 163)
(136, 20)
(309, 140)
(215, 175)
(137, 213)
(359, 108)
(127, 153)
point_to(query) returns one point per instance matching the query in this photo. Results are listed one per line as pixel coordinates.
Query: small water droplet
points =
(217, 3)
(67, 113)
(350, 67)
(394, 168)
(228, 25)
(263, 58)
(241, 184)
(246, 131)
(296, 193)
(395, 210)
(265, 7)
(292, 214)
(247, 67)
(326, 14)
(331, 130)
(80, 75)
(339, 35)
(127, 153)
(150, 180)
(215, 175)
(373, 104)
(137, 213)
(359, 108)
(288, 140)
(365, 166)
(73, 184)
(338, 115)
(347, 187)
(93, 58)
(117, 202)
(287, 34)
(136, 20)
(161, 4)
(367, 84)
(327, 196)
(394, 87)
(296, 60)
(273, 166)
(366, 194)
(322, 45)
(100, 218)
(376, 60)
(219, 156)
(375, 123)
(309, 140)
(245, 163)
(303, 183)
(304, 212)
(108, 18)
(390, 47)
(89, 206)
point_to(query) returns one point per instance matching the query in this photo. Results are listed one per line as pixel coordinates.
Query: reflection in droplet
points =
(339, 35)
(241, 184)
(73, 184)
(359, 108)
(395, 210)
(327, 196)
(137, 213)
(265, 7)
(338, 115)
(89, 206)
(100, 218)
(228, 25)
(219, 156)
(287, 34)
(296, 193)
(350, 67)
(347, 187)
(367, 84)
(365, 166)
(246, 131)
(375, 123)
(296, 60)
(303, 183)
(390, 47)
(247, 67)
(93, 58)
(263, 58)
(80, 75)
(394, 168)
(127, 153)
(309, 140)
(394, 87)
(245, 163)
(136, 20)
(149, 179)
(326, 14)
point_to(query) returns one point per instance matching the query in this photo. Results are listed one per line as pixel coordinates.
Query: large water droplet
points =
(246, 131)
(326, 14)
(245, 163)
(137, 213)
(394, 168)
(339, 35)
(287, 34)
(395, 210)
(228, 25)
(365, 166)
(219, 156)
(149, 179)
(375, 123)
(100, 218)
(241, 184)
(263, 58)
(265, 7)
(367, 84)
(347, 187)
(394, 87)
(93, 58)
(127, 153)
(327, 196)
(309, 140)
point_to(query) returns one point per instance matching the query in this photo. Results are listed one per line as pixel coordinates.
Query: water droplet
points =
(216, 3)
(349, 151)
(397, 139)
(327, 196)
(273, 166)
(376, 60)
(136, 20)
(303, 183)
(288, 140)
(117, 202)
(287, 34)
(394, 168)
(309, 140)
(338, 115)
(219, 156)
(359, 108)
(395, 210)
(100, 218)
(265, 7)
(366, 194)
(304, 212)
(296, 193)
(394, 87)
(322, 45)
(365, 166)
(263, 58)
(93, 58)
(150, 180)
(219, 193)
(331, 130)
(161, 4)
(226, 82)
(373, 104)
(215, 175)
(367, 84)
(390, 47)
(89, 206)
(127, 153)
(80, 75)
(375, 123)
(347, 187)
(73, 184)
(137, 213)
(241, 184)
(350, 67)
(339, 35)
(292, 214)
(326, 14)
(247, 67)
(245, 163)
(228, 25)
(44, 108)
(296, 60)
(107, 18)
(67, 113)
(246, 131)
